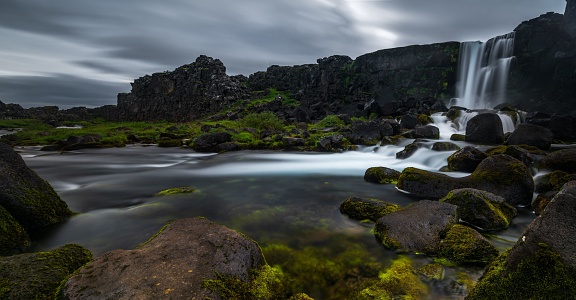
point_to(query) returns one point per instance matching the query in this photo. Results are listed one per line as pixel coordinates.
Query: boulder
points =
(381, 175)
(293, 142)
(418, 227)
(445, 146)
(542, 264)
(13, 238)
(463, 244)
(552, 181)
(38, 275)
(481, 209)
(209, 142)
(176, 263)
(366, 208)
(423, 132)
(333, 143)
(466, 159)
(369, 133)
(410, 149)
(541, 201)
(562, 127)
(409, 121)
(499, 174)
(28, 198)
(485, 128)
(523, 153)
(532, 135)
(562, 160)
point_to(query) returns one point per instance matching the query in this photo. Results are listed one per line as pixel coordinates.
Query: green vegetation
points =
(264, 283)
(175, 191)
(330, 121)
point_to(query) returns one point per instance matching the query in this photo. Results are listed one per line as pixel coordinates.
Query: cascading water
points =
(483, 72)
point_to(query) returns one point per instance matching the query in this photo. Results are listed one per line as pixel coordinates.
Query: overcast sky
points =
(82, 53)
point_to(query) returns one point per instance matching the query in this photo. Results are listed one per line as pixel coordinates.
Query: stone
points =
(381, 175)
(542, 263)
(369, 133)
(562, 127)
(423, 132)
(175, 263)
(481, 209)
(562, 160)
(445, 146)
(13, 238)
(541, 201)
(29, 199)
(523, 153)
(552, 181)
(410, 149)
(463, 244)
(366, 208)
(499, 174)
(209, 142)
(418, 227)
(466, 159)
(409, 121)
(293, 142)
(39, 275)
(532, 135)
(333, 143)
(485, 128)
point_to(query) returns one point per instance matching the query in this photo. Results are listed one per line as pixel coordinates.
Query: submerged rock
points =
(418, 227)
(366, 208)
(175, 263)
(28, 198)
(463, 244)
(499, 174)
(542, 264)
(38, 275)
(481, 209)
(381, 175)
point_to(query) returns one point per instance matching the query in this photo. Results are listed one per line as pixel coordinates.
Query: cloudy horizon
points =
(69, 53)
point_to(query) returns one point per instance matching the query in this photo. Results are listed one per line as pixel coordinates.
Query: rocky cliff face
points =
(187, 93)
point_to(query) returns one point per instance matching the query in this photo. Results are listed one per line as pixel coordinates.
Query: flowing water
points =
(273, 197)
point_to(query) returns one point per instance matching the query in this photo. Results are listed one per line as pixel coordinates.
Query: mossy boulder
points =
(562, 160)
(466, 159)
(209, 142)
(481, 209)
(38, 275)
(541, 201)
(410, 149)
(381, 175)
(486, 129)
(189, 257)
(13, 238)
(553, 181)
(523, 153)
(28, 198)
(430, 272)
(463, 244)
(400, 281)
(416, 228)
(177, 191)
(445, 146)
(500, 174)
(542, 264)
(366, 208)
(530, 134)
(167, 142)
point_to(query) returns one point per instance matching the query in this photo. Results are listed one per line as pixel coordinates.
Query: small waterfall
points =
(483, 70)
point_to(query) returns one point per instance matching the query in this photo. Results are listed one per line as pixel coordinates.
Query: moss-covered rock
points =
(463, 244)
(28, 198)
(541, 201)
(400, 281)
(553, 181)
(562, 160)
(430, 272)
(13, 238)
(458, 137)
(445, 146)
(300, 296)
(410, 149)
(485, 128)
(366, 208)
(466, 159)
(523, 153)
(530, 134)
(166, 143)
(38, 275)
(499, 174)
(175, 191)
(381, 175)
(481, 209)
(264, 283)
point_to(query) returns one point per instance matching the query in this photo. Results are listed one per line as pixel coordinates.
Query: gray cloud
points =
(98, 42)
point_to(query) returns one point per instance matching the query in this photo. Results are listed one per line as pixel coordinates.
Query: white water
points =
(483, 72)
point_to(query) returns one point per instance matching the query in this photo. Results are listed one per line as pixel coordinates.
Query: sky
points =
(83, 53)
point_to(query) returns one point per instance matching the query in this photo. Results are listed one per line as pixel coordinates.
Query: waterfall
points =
(483, 72)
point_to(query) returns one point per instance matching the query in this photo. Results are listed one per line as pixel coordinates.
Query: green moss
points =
(400, 281)
(434, 271)
(424, 119)
(541, 275)
(264, 283)
(262, 121)
(178, 190)
(330, 121)
(362, 209)
(13, 238)
(463, 244)
(381, 175)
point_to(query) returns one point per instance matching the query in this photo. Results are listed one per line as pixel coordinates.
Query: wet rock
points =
(409, 121)
(466, 159)
(13, 238)
(418, 227)
(209, 142)
(176, 263)
(562, 127)
(366, 208)
(28, 198)
(523, 153)
(169, 143)
(38, 275)
(458, 137)
(445, 146)
(410, 149)
(485, 128)
(293, 142)
(463, 244)
(562, 160)
(499, 174)
(541, 201)
(335, 142)
(423, 132)
(381, 175)
(542, 264)
(369, 133)
(552, 181)
(481, 209)
(532, 135)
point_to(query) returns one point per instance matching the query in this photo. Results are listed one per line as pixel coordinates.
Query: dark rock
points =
(485, 128)
(523, 153)
(228, 146)
(541, 201)
(499, 174)
(381, 175)
(562, 160)
(425, 132)
(167, 142)
(418, 227)
(369, 133)
(445, 146)
(552, 181)
(209, 142)
(532, 135)
(293, 142)
(562, 127)
(466, 159)
(409, 121)
(481, 209)
(174, 264)
(463, 244)
(13, 238)
(28, 198)
(439, 106)
(458, 137)
(38, 275)
(542, 264)
(333, 143)
(410, 149)
(366, 208)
